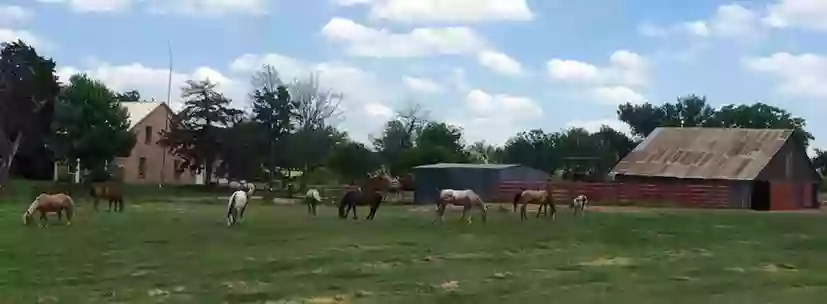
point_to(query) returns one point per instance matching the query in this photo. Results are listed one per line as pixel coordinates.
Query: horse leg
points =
(241, 214)
(523, 215)
(69, 214)
(354, 212)
(309, 207)
(540, 209)
(314, 207)
(59, 215)
(484, 210)
(465, 214)
(43, 219)
(440, 212)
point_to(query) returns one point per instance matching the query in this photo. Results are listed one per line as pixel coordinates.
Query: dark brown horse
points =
(110, 192)
(371, 194)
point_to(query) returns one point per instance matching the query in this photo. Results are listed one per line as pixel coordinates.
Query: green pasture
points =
(183, 253)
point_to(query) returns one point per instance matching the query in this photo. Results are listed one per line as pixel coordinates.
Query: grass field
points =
(184, 253)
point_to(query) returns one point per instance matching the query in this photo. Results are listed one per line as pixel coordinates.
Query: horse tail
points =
(517, 199)
(231, 205)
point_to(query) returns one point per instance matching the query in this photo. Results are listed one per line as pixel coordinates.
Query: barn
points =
(482, 178)
(763, 169)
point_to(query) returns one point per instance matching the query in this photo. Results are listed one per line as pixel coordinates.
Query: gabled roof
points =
(139, 110)
(708, 153)
(474, 166)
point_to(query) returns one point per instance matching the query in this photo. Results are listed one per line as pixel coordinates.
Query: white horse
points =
(312, 198)
(579, 204)
(238, 203)
(465, 198)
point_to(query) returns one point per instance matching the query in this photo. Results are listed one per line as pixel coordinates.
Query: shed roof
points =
(138, 110)
(707, 153)
(470, 166)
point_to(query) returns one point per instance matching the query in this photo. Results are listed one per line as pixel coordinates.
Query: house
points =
(762, 169)
(482, 178)
(149, 162)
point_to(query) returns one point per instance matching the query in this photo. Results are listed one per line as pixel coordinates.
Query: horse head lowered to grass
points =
(55, 203)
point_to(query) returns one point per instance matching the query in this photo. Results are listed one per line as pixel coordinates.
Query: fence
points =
(678, 195)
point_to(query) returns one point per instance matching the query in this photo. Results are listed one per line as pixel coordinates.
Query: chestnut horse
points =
(372, 194)
(109, 191)
(45, 203)
(538, 197)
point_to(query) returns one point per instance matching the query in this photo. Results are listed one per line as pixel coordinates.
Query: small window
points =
(142, 168)
(148, 135)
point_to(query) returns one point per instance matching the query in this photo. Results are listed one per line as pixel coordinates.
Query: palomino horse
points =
(578, 204)
(44, 203)
(109, 191)
(538, 197)
(465, 198)
(312, 198)
(238, 203)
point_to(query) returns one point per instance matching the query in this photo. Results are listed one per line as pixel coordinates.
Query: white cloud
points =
(500, 63)
(626, 68)
(459, 80)
(419, 42)
(7, 35)
(802, 75)
(187, 7)
(152, 82)
(378, 110)
(430, 11)
(595, 124)
(729, 21)
(95, 5)
(12, 14)
(211, 7)
(808, 14)
(615, 95)
(512, 107)
(421, 85)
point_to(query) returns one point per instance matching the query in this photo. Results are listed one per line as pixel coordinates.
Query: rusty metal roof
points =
(708, 153)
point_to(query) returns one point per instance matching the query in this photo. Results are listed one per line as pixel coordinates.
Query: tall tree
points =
(241, 160)
(353, 160)
(128, 96)
(28, 87)
(693, 111)
(437, 142)
(90, 125)
(195, 133)
(317, 111)
(399, 136)
(534, 148)
(485, 153)
(274, 110)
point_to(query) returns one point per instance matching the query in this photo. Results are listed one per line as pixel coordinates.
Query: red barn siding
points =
(680, 194)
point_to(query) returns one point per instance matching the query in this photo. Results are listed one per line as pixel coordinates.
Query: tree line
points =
(292, 127)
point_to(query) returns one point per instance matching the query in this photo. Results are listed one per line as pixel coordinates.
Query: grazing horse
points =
(540, 197)
(358, 196)
(109, 191)
(44, 203)
(465, 198)
(238, 203)
(312, 198)
(578, 204)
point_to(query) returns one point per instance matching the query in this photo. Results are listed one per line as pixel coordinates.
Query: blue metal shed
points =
(482, 178)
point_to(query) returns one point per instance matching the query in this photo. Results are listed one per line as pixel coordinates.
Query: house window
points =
(142, 168)
(148, 135)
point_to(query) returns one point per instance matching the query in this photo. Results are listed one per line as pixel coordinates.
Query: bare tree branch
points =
(317, 107)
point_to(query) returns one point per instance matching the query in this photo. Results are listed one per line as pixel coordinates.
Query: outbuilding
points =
(764, 169)
(482, 178)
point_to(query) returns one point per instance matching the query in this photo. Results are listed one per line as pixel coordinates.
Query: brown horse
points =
(109, 191)
(372, 194)
(539, 197)
(44, 203)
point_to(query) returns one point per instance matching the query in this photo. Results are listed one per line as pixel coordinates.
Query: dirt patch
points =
(613, 261)
(773, 268)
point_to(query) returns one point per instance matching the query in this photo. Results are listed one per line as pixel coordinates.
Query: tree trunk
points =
(272, 166)
(7, 159)
(208, 172)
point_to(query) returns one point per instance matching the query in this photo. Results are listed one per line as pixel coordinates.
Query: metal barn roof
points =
(470, 166)
(707, 153)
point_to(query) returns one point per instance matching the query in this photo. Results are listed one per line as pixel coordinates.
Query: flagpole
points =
(166, 121)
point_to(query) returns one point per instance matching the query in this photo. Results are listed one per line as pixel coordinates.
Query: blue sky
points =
(494, 67)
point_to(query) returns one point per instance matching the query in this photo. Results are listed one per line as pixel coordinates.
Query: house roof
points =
(472, 166)
(707, 153)
(139, 110)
